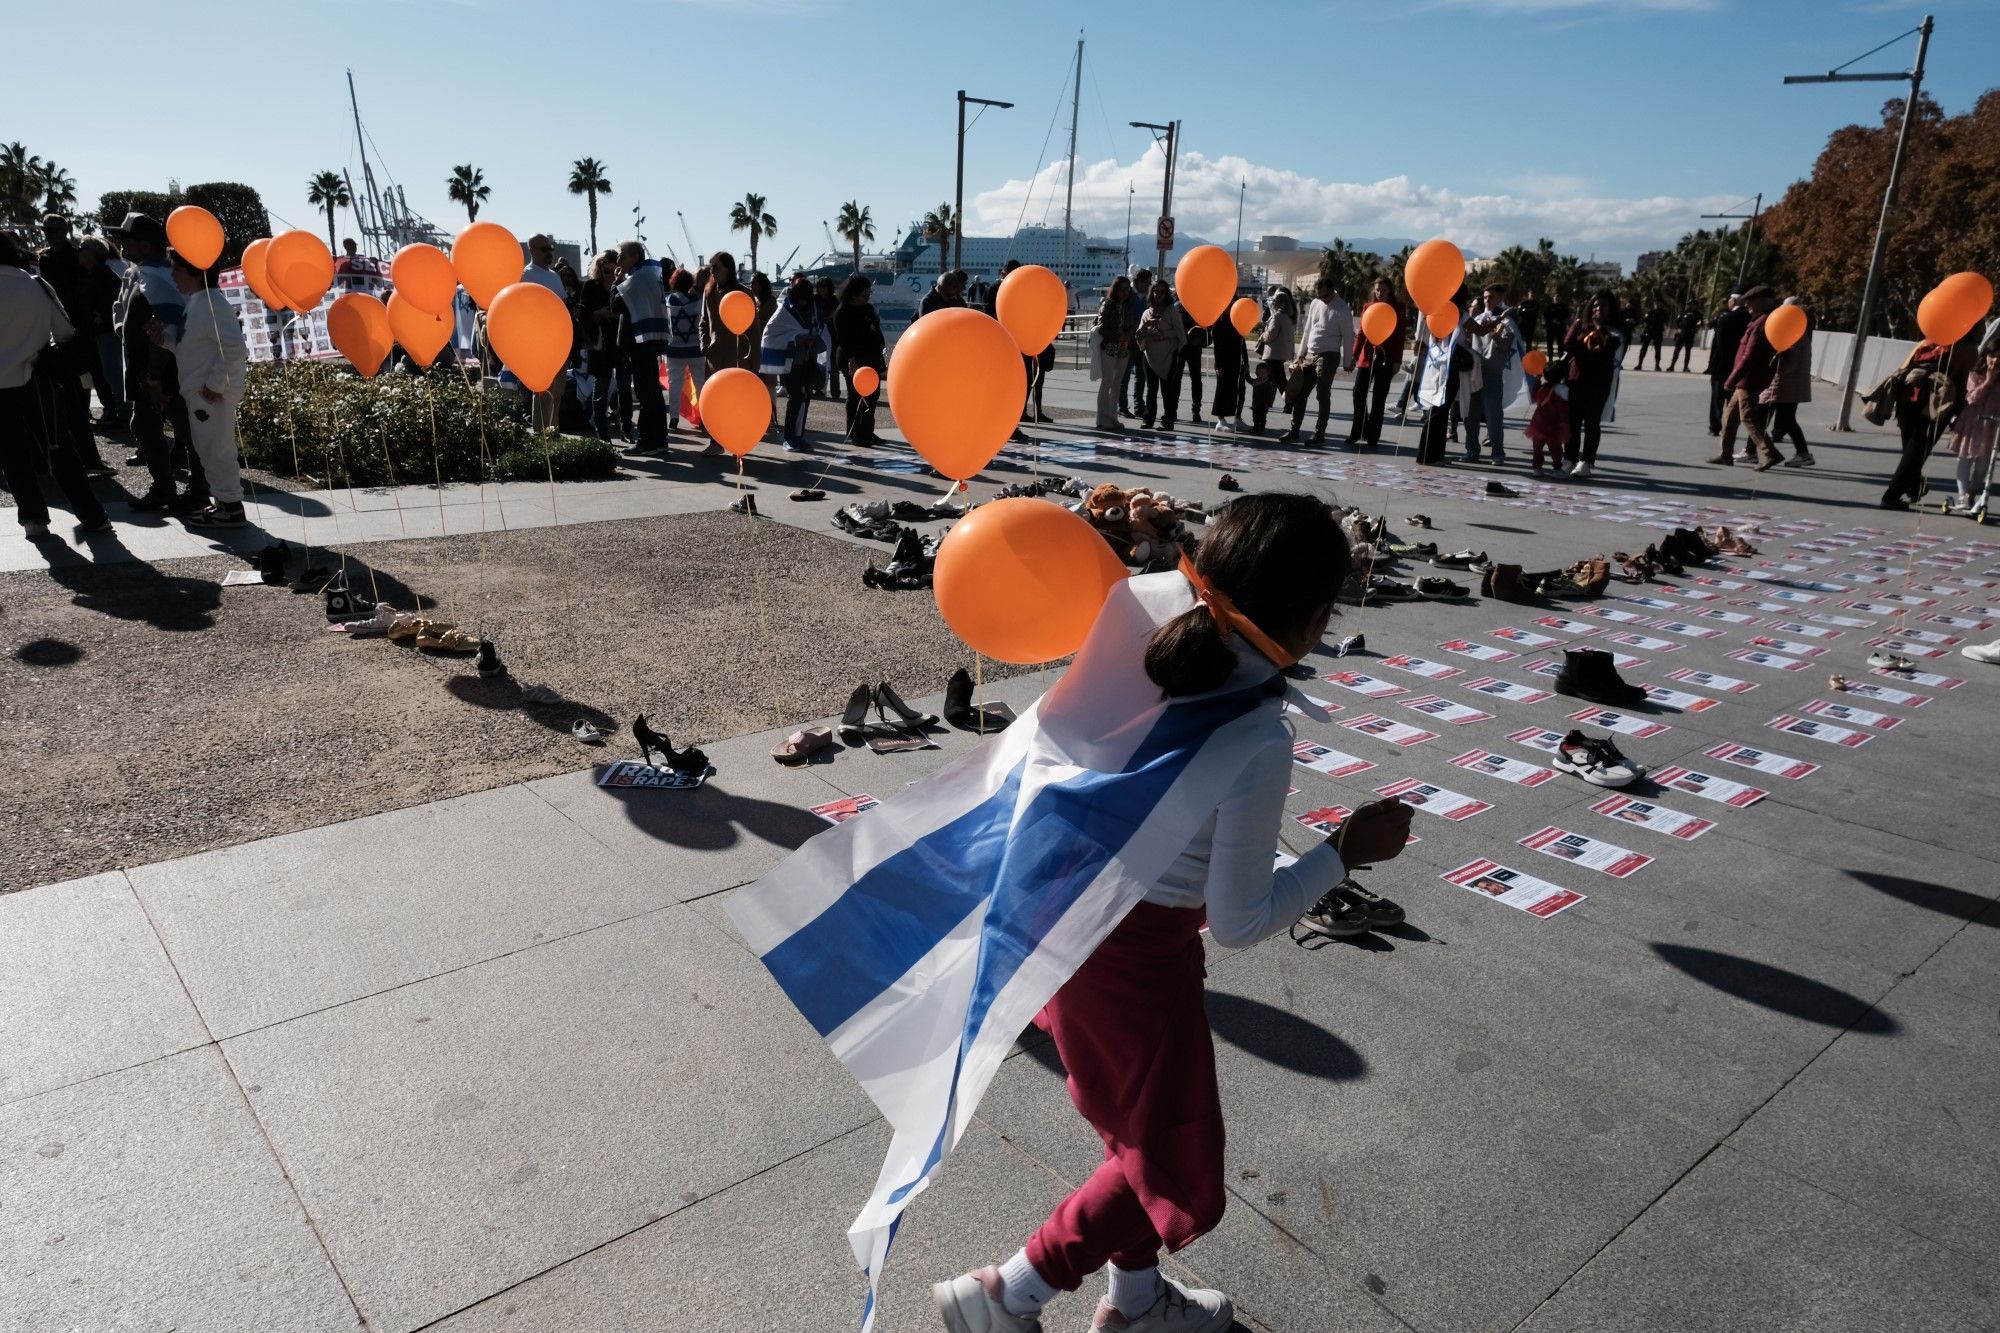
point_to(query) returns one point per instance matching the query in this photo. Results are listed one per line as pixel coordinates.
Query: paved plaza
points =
(499, 1064)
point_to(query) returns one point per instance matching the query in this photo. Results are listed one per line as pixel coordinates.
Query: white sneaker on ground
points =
(1982, 652)
(1582, 470)
(970, 1303)
(1178, 1310)
(1596, 760)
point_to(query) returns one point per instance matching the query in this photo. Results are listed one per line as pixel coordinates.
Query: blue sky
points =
(1606, 124)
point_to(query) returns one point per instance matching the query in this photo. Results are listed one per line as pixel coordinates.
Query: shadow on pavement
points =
(48, 653)
(1276, 1036)
(1776, 989)
(710, 818)
(1937, 897)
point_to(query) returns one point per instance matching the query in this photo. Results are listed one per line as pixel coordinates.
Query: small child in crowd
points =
(1974, 438)
(1549, 426)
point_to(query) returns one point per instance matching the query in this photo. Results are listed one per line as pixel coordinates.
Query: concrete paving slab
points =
(85, 986)
(1739, 1244)
(148, 1199)
(1969, 963)
(273, 929)
(458, 1136)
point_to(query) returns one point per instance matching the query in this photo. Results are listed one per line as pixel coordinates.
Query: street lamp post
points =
(958, 196)
(1172, 131)
(1916, 77)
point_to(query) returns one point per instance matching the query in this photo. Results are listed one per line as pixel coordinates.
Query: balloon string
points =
(298, 470)
(374, 592)
(979, 690)
(1899, 624)
(757, 565)
(567, 565)
(437, 472)
(326, 456)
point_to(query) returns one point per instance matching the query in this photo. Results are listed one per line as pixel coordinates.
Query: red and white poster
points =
(839, 812)
(1679, 700)
(1658, 818)
(1431, 799)
(1509, 690)
(1888, 694)
(1572, 628)
(1929, 678)
(1388, 729)
(1860, 717)
(1709, 787)
(1516, 771)
(1686, 630)
(1588, 852)
(1622, 723)
(1763, 761)
(1538, 738)
(1776, 661)
(1814, 729)
(1374, 687)
(1645, 643)
(1445, 710)
(1709, 680)
(1516, 888)
(1478, 652)
(1421, 666)
(1329, 818)
(1324, 759)
(1527, 638)
(1792, 647)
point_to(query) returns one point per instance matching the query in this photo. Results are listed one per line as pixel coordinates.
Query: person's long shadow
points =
(712, 819)
(1778, 990)
(131, 589)
(1936, 897)
(1274, 1035)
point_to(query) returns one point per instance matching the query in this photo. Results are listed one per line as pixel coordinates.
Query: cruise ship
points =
(901, 276)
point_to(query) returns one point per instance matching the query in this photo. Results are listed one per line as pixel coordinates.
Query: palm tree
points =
(56, 187)
(586, 177)
(750, 216)
(938, 225)
(20, 172)
(328, 190)
(468, 186)
(855, 225)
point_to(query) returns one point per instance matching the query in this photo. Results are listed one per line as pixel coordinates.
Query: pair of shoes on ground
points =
(431, 636)
(972, 1303)
(1476, 560)
(1507, 583)
(690, 761)
(855, 729)
(1381, 589)
(1348, 909)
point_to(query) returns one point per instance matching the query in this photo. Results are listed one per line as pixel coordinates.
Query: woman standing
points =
(1929, 387)
(722, 349)
(1114, 349)
(1593, 349)
(1159, 338)
(1274, 351)
(1374, 370)
(828, 306)
(1978, 430)
(1230, 349)
(1184, 654)
(600, 339)
(1791, 384)
(791, 346)
(857, 331)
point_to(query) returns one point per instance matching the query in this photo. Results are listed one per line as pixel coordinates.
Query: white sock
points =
(1133, 1291)
(1022, 1289)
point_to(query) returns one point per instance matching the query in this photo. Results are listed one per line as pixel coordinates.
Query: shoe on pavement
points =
(1589, 673)
(1500, 489)
(34, 531)
(1179, 1309)
(1381, 912)
(1390, 590)
(1582, 470)
(1335, 917)
(1982, 652)
(1596, 760)
(218, 516)
(1723, 460)
(1431, 586)
(1351, 646)
(1459, 559)
(1769, 461)
(1884, 660)
(157, 498)
(970, 1303)
(1799, 460)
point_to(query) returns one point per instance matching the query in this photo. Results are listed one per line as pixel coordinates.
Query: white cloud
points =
(1276, 200)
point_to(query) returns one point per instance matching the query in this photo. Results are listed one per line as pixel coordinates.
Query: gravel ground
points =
(151, 713)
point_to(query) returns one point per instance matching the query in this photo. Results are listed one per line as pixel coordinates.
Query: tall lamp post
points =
(1163, 232)
(1915, 74)
(958, 196)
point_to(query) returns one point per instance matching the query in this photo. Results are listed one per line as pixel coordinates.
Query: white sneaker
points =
(1581, 470)
(970, 1303)
(375, 626)
(1178, 1310)
(1982, 652)
(1596, 760)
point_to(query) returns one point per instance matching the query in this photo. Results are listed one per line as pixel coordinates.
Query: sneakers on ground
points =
(1597, 761)
(488, 660)
(970, 1303)
(1884, 660)
(218, 516)
(1335, 917)
(1421, 550)
(1351, 646)
(1580, 469)
(1381, 912)
(1390, 590)
(1430, 586)
(1982, 652)
(1589, 673)
(1461, 560)
(1179, 1309)
(1799, 460)
(374, 626)
(1501, 490)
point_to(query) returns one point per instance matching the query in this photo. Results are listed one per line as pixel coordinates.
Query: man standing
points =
(1654, 336)
(1725, 334)
(1528, 319)
(30, 319)
(1375, 368)
(1684, 335)
(542, 272)
(644, 293)
(1190, 361)
(152, 381)
(1555, 325)
(947, 293)
(1755, 360)
(1132, 388)
(61, 267)
(1491, 337)
(1326, 342)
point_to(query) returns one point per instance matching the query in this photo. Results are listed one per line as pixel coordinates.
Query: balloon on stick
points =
(1442, 321)
(195, 234)
(1433, 274)
(956, 387)
(1785, 326)
(738, 311)
(531, 333)
(1378, 322)
(418, 332)
(1022, 580)
(736, 408)
(867, 380)
(301, 269)
(257, 274)
(423, 274)
(1204, 281)
(1954, 307)
(1243, 315)
(487, 259)
(358, 326)
(1032, 306)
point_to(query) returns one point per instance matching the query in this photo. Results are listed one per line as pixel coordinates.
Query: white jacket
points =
(1328, 331)
(209, 348)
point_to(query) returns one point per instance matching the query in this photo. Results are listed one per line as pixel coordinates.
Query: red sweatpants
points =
(1133, 1033)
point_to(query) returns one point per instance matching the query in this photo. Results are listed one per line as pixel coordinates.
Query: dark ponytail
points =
(1279, 558)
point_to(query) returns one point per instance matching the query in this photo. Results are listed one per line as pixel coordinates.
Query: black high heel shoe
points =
(853, 728)
(888, 701)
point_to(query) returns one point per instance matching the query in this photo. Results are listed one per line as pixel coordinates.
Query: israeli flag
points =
(920, 938)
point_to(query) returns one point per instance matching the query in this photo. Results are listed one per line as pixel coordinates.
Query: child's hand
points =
(1375, 833)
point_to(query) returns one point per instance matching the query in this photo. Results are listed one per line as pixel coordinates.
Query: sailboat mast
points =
(372, 232)
(1069, 192)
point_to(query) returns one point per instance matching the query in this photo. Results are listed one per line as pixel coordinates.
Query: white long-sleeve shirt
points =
(30, 316)
(1328, 331)
(209, 347)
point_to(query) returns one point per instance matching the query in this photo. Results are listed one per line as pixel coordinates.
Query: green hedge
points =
(399, 429)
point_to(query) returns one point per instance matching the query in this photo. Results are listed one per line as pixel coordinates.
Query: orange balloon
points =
(1954, 307)
(418, 332)
(531, 333)
(1245, 314)
(1205, 280)
(1378, 322)
(1434, 273)
(1022, 580)
(258, 274)
(301, 269)
(487, 259)
(1535, 362)
(358, 324)
(1032, 306)
(193, 231)
(867, 380)
(957, 389)
(738, 311)
(1442, 321)
(1785, 326)
(423, 274)
(736, 408)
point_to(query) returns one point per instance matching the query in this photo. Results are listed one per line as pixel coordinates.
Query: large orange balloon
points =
(301, 269)
(1023, 580)
(423, 274)
(1205, 280)
(529, 327)
(359, 327)
(956, 385)
(738, 311)
(1245, 314)
(1785, 326)
(487, 259)
(1442, 321)
(193, 231)
(418, 332)
(258, 275)
(736, 408)
(867, 380)
(1535, 361)
(1954, 307)
(1032, 306)
(1378, 322)
(1434, 273)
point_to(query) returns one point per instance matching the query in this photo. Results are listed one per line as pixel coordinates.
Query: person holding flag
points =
(1051, 876)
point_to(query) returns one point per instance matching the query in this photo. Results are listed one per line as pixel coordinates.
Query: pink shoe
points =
(971, 1304)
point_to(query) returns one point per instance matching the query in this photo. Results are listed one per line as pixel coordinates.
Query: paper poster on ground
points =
(1516, 888)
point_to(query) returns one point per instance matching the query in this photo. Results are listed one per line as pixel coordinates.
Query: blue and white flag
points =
(920, 938)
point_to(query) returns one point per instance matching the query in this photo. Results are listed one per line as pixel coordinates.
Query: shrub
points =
(237, 207)
(398, 429)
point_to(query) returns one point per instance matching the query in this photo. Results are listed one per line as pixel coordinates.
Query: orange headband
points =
(1231, 621)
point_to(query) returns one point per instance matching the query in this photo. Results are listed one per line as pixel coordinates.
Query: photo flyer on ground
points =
(1724, 791)
(1516, 888)
(1820, 731)
(844, 809)
(1860, 717)
(1586, 851)
(1709, 680)
(1572, 628)
(631, 773)
(1638, 728)
(1432, 799)
(1511, 691)
(1777, 765)
(1538, 738)
(1682, 627)
(1373, 687)
(1325, 759)
(1776, 661)
(1516, 771)
(1388, 729)
(1888, 694)
(1445, 710)
(1422, 666)
(1527, 638)
(1478, 652)
(1927, 678)
(1658, 818)
(1678, 700)
(1313, 702)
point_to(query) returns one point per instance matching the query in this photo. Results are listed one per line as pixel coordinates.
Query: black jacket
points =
(1728, 330)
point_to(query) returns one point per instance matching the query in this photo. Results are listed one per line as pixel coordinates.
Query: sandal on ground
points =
(446, 639)
(802, 745)
(582, 731)
(407, 626)
(1837, 682)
